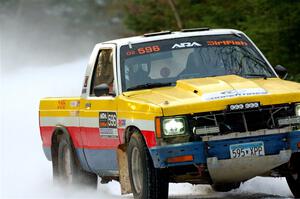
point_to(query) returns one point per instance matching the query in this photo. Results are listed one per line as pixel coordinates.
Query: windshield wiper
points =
(255, 75)
(149, 85)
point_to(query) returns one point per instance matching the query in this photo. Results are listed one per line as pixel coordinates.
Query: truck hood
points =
(216, 93)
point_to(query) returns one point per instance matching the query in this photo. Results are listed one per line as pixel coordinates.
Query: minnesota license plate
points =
(247, 150)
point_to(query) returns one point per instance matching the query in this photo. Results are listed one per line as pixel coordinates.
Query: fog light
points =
(186, 158)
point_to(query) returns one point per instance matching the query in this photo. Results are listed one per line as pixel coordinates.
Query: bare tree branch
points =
(176, 14)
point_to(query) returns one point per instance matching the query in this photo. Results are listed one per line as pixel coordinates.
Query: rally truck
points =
(202, 106)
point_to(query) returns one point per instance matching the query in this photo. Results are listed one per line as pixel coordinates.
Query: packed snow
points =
(25, 172)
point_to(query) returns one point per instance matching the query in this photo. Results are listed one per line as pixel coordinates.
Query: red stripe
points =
(93, 140)
(89, 138)
(47, 132)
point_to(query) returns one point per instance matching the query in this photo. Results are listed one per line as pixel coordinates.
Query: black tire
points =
(69, 171)
(220, 187)
(146, 181)
(294, 184)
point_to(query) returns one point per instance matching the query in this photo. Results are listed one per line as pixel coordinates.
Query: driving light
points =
(174, 126)
(297, 109)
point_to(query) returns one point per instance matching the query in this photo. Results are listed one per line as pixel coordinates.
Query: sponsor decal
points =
(234, 93)
(61, 104)
(121, 123)
(227, 43)
(108, 124)
(186, 45)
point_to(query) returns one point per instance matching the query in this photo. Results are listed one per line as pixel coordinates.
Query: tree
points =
(274, 25)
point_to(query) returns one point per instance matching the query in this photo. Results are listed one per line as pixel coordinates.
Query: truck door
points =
(98, 116)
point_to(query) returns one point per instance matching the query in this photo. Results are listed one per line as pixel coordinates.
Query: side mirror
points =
(281, 71)
(101, 90)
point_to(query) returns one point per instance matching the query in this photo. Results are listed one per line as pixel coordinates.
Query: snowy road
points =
(25, 172)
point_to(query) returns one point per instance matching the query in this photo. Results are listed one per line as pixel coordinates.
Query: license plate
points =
(247, 150)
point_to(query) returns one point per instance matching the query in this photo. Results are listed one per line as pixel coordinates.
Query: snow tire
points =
(69, 170)
(146, 181)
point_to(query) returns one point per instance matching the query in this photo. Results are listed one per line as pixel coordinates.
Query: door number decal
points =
(108, 124)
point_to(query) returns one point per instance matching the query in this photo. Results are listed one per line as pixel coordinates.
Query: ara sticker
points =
(108, 124)
(186, 45)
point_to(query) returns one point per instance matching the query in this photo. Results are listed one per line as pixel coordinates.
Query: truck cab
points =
(200, 106)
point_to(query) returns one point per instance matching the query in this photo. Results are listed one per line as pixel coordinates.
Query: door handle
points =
(88, 105)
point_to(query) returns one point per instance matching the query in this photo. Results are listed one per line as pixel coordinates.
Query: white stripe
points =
(93, 122)
(146, 125)
(54, 121)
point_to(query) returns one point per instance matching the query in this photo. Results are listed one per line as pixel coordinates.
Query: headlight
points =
(297, 109)
(174, 126)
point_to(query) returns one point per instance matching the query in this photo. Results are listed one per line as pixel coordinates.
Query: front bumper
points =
(210, 151)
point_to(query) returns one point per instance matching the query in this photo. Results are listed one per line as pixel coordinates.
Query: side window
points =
(103, 71)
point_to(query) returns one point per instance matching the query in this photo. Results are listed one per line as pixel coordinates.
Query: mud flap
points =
(123, 170)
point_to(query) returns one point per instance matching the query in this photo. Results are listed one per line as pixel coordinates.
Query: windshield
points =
(162, 63)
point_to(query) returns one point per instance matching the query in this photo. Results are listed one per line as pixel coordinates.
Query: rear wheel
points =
(68, 170)
(225, 187)
(146, 181)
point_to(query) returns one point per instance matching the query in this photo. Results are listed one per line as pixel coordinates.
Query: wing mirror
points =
(281, 71)
(101, 90)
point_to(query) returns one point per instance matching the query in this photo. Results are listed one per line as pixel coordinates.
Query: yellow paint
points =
(184, 98)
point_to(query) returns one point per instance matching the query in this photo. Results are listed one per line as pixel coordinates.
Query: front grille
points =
(265, 117)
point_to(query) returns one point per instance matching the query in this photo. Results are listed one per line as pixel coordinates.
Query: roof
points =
(172, 35)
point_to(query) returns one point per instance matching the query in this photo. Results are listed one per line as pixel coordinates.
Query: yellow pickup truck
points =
(202, 106)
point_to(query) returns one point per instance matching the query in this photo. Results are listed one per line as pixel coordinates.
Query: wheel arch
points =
(129, 131)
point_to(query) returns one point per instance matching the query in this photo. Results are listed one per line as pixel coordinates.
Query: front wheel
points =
(146, 181)
(293, 181)
(69, 172)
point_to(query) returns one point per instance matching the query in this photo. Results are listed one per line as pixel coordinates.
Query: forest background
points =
(273, 25)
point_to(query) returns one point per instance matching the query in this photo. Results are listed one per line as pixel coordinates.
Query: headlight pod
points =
(174, 126)
(297, 109)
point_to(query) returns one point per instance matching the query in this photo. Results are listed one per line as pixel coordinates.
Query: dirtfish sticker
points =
(108, 124)
(186, 45)
(233, 93)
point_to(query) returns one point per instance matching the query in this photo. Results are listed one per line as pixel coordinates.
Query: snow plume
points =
(25, 172)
